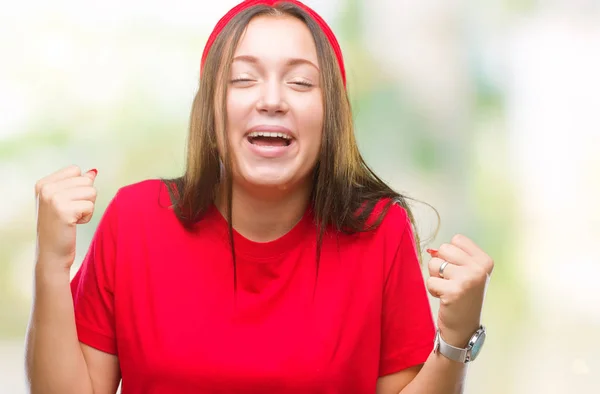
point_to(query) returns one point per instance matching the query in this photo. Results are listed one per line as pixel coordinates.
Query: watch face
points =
(477, 345)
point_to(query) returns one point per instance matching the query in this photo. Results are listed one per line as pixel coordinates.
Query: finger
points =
(450, 270)
(70, 183)
(472, 249)
(453, 254)
(48, 190)
(87, 193)
(83, 210)
(65, 199)
(467, 245)
(438, 287)
(63, 173)
(92, 174)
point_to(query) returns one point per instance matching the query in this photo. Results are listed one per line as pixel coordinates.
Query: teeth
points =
(269, 134)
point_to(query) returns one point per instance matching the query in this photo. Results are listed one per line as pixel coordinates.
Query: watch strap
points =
(451, 352)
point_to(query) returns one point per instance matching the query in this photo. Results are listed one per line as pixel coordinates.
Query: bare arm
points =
(56, 362)
(393, 383)
(461, 290)
(103, 368)
(437, 375)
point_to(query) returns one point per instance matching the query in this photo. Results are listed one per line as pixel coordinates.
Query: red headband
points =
(250, 3)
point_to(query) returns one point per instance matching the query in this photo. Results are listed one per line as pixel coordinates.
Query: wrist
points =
(458, 338)
(457, 351)
(52, 268)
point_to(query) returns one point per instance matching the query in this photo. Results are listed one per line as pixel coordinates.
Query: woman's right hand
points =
(65, 199)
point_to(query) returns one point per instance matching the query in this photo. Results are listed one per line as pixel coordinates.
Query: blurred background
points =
(487, 110)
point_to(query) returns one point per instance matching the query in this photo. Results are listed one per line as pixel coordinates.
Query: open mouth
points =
(266, 138)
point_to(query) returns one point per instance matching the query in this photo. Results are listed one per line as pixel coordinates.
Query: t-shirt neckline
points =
(264, 251)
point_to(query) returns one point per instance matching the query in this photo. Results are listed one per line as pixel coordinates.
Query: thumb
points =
(437, 286)
(92, 174)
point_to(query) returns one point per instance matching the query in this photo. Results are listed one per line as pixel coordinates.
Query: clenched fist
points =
(460, 273)
(65, 199)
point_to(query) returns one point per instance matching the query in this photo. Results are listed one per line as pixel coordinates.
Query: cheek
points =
(235, 117)
(230, 107)
(312, 119)
(239, 105)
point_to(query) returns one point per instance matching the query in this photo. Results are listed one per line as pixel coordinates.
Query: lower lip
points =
(269, 152)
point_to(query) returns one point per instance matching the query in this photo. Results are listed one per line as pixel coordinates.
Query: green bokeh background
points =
(454, 154)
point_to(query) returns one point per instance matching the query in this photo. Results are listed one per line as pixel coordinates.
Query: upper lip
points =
(272, 129)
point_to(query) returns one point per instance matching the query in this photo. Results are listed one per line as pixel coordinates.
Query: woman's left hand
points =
(461, 287)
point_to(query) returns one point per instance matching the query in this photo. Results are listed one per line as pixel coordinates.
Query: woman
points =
(278, 262)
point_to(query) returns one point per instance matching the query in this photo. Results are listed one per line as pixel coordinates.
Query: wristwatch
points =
(465, 355)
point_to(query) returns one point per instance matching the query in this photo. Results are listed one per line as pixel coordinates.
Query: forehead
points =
(272, 37)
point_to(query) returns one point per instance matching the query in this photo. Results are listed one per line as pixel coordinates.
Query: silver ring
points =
(442, 268)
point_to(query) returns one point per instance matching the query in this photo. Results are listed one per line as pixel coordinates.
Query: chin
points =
(273, 177)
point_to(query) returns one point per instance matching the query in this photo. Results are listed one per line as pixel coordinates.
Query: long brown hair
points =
(345, 190)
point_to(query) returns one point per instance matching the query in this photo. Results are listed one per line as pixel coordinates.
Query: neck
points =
(267, 215)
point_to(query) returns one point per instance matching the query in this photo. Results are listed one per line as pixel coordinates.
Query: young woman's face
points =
(274, 104)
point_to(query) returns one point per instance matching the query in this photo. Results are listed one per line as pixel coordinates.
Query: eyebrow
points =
(289, 62)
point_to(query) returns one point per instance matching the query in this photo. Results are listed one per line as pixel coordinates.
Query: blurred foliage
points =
(138, 136)
(143, 140)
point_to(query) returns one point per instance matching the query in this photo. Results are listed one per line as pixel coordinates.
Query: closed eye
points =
(248, 80)
(241, 80)
(303, 83)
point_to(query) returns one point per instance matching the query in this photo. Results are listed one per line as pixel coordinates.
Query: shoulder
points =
(395, 233)
(397, 237)
(144, 192)
(144, 200)
(143, 195)
(387, 224)
(395, 218)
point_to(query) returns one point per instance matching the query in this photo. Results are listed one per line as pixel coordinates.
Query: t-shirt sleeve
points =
(93, 286)
(408, 330)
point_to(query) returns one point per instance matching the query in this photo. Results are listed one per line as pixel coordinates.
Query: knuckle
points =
(45, 192)
(431, 265)
(479, 273)
(457, 238)
(73, 169)
(444, 248)
(429, 282)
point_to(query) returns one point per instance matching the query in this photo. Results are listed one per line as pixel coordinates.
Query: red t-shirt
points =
(162, 299)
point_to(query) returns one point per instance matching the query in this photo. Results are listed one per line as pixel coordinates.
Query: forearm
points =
(54, 359)
(439, 375)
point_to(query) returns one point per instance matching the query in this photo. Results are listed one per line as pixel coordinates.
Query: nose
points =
(272, 99)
